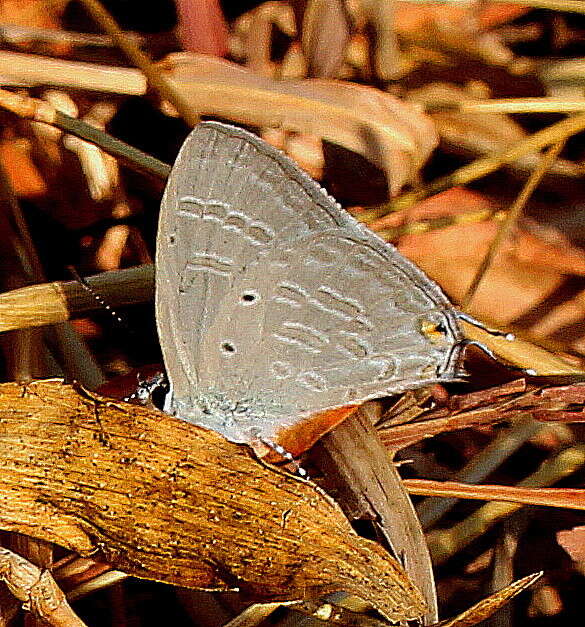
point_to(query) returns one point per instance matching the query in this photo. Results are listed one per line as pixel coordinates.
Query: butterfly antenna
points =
(463, 344)
(495, 332)
(299, 470)
(145, 388)
(476, 323)
(89, 289)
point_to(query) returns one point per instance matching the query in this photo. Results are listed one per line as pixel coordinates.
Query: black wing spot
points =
(249, 297)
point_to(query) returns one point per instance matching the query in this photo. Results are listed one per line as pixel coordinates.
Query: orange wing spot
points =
(431, 330)
(301, 436)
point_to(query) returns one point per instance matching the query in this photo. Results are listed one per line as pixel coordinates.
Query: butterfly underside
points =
(273, 303)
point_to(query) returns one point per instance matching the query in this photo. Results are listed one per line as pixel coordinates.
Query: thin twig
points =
(486, 165)
(112, 146)
(16, 34)
(164, 87)
(569, 498)
(417, 227)
(447, 542)
(507, 105)
(567, 6)
(512, 216)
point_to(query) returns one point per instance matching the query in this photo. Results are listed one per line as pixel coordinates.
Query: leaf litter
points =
(378, 91)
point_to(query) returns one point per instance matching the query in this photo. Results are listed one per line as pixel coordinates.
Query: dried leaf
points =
(24, 177)
(202, 27)
(325, 35)
(165, 500)
(573, 541)
(385, 130)
(390, 133)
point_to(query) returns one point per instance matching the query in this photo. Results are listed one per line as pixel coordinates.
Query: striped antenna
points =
(101, 302)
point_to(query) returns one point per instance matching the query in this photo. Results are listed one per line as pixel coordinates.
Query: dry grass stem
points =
(41, 111)
(36, 590)
(446, 543)
(510, 105)
(513, 402)
(490, 605)
(51, 303)
(505, 228)
(547, 497)
(567, 6)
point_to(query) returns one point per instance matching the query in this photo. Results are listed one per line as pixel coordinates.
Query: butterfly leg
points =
(277, 448)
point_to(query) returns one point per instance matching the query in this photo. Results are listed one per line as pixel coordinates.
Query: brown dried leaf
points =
(24, 177)
(573, 541)
(165, 500)
(529, 268)
(385, 130)
(390, 133)
(325, 35)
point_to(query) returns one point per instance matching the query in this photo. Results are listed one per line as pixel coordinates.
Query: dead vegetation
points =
(454, 130)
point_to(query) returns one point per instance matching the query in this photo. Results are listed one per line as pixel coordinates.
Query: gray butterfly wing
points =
(273, 303)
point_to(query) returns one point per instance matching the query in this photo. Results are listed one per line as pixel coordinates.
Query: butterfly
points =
(274, 305)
